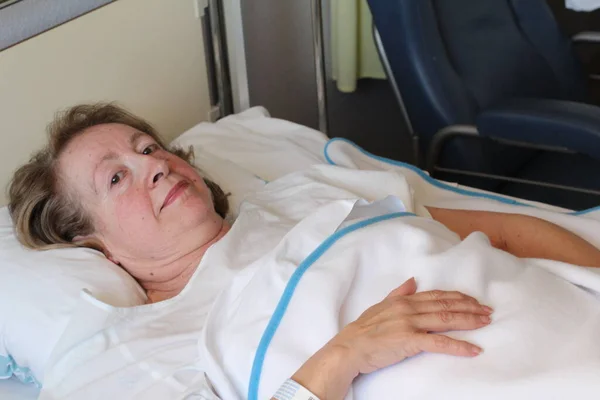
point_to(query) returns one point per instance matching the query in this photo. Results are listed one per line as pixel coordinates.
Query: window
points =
(22, 19)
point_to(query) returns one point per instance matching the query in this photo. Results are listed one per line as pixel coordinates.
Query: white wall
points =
(146, 54)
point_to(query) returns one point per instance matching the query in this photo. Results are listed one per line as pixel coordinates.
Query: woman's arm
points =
(328, 373)
(401, 326)
(521, 235)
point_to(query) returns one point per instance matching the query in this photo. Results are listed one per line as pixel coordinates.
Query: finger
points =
(450, 305)
(446, 345)
(406, 289)
(440, 295)
(449, 321)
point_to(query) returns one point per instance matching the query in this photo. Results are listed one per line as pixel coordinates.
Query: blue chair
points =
(494, 96)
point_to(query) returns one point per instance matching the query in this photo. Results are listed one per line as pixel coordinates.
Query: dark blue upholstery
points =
(454, 60)
(558, 123)
(537, 22)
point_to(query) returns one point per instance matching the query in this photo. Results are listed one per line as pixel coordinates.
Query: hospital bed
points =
(246, 151)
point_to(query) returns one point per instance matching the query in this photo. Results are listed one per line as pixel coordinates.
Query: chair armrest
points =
(586, 37)
(590, 37)
(544, 123)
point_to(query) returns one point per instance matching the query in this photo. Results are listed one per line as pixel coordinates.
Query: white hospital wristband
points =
(292, 390)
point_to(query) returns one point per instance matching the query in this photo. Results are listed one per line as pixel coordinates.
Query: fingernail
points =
(476, 350)
(487, 309)
(485, 319)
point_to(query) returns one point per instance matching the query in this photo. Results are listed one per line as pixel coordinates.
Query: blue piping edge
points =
(9, 368)
(288, 293)
(435, 182)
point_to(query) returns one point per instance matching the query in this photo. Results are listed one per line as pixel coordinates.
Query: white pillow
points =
(243, 152)
(40, 290)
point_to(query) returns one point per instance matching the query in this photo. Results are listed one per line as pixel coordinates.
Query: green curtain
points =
(354, 55)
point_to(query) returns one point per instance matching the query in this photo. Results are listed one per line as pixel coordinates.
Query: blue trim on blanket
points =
(589, 210)
(288, 293)
(437, 183)
(9, 368)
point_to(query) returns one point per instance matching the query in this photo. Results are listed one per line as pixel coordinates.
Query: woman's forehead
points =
(106, 137)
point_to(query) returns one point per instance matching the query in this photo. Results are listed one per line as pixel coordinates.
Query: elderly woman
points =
(107, 181)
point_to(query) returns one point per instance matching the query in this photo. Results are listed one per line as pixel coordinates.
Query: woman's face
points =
(148, 206)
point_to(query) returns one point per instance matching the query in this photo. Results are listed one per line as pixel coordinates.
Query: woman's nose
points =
(157, 177)
(158, 169)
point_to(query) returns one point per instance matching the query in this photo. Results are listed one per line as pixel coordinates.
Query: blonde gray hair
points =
(43, 213)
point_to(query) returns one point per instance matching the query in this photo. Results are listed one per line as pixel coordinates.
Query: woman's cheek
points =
(133, 213)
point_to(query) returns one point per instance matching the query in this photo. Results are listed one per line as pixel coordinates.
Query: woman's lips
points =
(174, 193)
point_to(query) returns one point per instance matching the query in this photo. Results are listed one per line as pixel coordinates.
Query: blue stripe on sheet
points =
(9, 368)
(288, 293)
(437, 183)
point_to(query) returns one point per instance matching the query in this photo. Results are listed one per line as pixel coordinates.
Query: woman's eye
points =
(149, 149)
(116, 179)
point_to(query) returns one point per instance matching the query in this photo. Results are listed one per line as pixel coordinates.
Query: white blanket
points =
(305, 257)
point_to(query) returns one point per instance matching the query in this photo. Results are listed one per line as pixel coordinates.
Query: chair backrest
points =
(453, 58)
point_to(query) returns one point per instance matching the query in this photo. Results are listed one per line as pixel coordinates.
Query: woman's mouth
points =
(174, 193)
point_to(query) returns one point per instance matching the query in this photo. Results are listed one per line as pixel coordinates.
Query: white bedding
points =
(301, 261)
(12, 389)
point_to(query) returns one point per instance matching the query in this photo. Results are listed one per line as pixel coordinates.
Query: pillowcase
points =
(245, 151)
(39, 291)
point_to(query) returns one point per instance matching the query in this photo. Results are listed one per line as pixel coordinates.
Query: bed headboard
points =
(127, 51)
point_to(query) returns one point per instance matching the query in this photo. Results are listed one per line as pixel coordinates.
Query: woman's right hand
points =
(403, 325)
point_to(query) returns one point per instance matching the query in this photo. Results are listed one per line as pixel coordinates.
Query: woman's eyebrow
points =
(133, 139)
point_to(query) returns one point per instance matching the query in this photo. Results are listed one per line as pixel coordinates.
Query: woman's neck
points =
(182, 271)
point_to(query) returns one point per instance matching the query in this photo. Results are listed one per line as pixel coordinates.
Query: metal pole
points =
(390, 75)
(319, 50)
(517, 180)
(221, 67)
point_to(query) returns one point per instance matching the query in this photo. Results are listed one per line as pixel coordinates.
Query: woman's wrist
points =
(328, 373)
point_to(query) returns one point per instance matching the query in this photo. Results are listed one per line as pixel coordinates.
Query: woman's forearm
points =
(530, 237)
(328, 374)
(521, 235)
